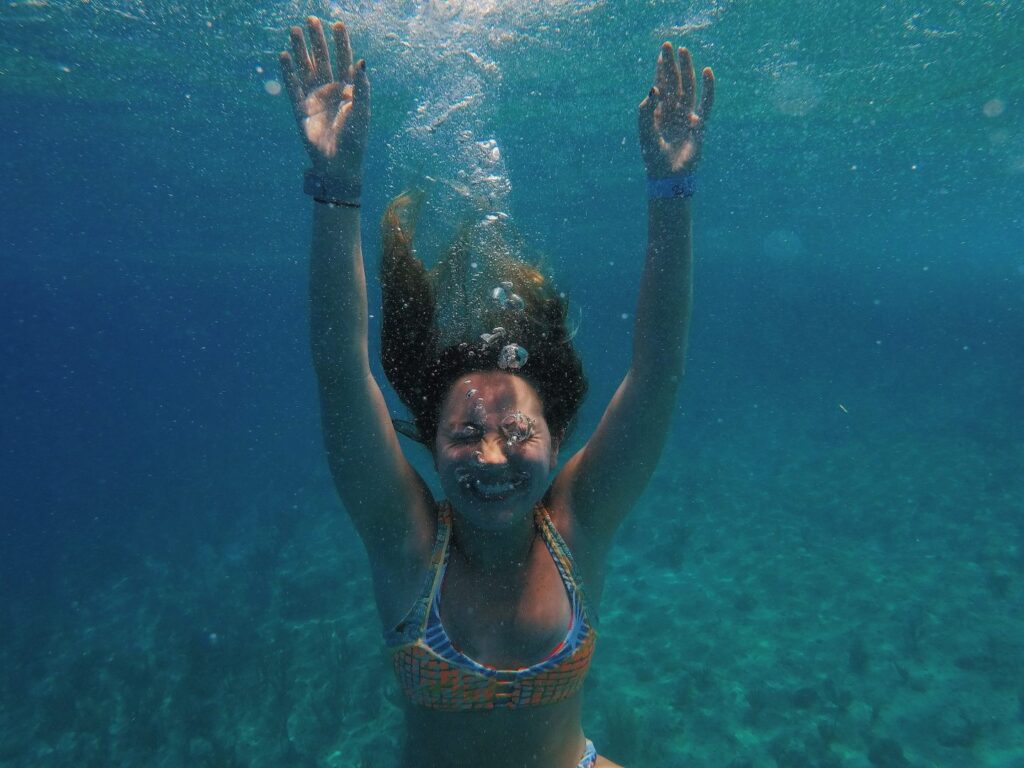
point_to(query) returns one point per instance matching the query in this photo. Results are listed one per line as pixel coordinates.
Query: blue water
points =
(836, 526)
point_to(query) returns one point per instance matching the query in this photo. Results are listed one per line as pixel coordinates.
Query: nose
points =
(492, 451)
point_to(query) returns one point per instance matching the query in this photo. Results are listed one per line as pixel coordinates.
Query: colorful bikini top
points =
(433, 673)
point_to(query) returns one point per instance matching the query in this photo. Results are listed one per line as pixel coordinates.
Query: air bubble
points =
(993, 108)
(479, 412)
(504, 298)
(517, 427)
(512, 357)
(495, 335)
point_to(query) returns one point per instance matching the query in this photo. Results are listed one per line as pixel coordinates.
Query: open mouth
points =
(492, 489)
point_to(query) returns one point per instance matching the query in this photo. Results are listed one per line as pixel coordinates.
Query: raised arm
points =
(332, 108)
(604, 479)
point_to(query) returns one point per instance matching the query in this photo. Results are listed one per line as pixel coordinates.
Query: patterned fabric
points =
(589, 759)
(434, 674)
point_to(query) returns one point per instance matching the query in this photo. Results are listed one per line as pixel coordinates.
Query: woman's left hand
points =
(332, 108)
(671, 132)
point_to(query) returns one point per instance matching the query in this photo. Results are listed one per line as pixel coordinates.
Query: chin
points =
(495, 511)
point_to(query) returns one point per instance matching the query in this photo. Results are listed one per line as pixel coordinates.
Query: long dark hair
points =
(422, 361)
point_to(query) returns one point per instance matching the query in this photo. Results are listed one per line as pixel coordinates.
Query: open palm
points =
(671, 132)
(332, 113)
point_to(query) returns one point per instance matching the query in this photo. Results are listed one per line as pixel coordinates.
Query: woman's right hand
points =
(332, 112)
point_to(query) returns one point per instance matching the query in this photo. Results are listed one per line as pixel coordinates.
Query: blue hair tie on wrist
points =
(683, 185)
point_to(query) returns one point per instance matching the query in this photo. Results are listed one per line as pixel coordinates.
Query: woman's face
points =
(493, 450)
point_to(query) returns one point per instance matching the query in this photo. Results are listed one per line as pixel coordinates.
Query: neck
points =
(496, 558)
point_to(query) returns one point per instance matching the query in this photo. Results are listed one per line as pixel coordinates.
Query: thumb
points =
(360, 91)
(645, 118)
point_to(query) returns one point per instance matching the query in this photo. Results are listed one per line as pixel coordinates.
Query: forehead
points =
(499, 392)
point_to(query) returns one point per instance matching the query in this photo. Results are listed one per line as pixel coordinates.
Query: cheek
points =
(544, 458)
(447, 460)
(441, 462)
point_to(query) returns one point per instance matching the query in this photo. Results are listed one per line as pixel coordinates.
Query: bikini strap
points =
(417, 617)
(562, 555)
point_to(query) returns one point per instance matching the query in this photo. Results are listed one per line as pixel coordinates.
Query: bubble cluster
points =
(516, 427)
(993, 108)
(503, 296)
(495, 335)
(796, 93)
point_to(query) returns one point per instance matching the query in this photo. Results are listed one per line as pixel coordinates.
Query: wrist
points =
(676, 186)
(332, 190)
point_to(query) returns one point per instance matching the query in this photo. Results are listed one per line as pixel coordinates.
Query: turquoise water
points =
(828, 567)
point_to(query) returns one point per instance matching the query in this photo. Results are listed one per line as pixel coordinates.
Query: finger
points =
(688, 82)
(343, 51)
(321, 57)
(667, 76)
(353, 119)
(355, 115)
(296, 94)
(302, 62)
(292, 83)
(707, 97)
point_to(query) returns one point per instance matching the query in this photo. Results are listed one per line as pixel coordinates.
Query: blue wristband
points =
(683, 185)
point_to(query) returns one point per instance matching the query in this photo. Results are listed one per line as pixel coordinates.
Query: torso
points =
(541, 614)
(511, 634)
(517, 633)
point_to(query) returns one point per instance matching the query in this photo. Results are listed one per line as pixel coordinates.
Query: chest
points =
(483, 622)
(507, 628)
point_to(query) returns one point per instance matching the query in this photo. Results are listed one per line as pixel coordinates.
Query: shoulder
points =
(573, 522)
(398, 571)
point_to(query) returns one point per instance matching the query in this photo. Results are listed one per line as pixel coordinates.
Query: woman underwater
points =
(482, 595)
